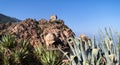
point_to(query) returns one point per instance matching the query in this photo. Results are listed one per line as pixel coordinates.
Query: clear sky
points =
(82, 16)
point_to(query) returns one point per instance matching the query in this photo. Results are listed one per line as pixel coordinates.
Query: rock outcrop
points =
(39, 32)
(53, 18)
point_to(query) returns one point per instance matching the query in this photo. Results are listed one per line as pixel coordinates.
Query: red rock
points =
(40, 32)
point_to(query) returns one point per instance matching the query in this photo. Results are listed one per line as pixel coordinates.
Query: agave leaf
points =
(106, 31)
(71, 46)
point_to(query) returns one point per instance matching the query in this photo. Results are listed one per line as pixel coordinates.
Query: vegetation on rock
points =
(37, 32)
(51, 42)
(92, 53)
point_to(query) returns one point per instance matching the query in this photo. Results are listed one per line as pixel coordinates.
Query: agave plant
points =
(4, 55)
(48, 57)
(20, 53)
(8, 41)
(6, 44)
(110, 44)
(12, 53)
(104, 53)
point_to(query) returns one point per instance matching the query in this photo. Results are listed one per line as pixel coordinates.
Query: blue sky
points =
(82, 16)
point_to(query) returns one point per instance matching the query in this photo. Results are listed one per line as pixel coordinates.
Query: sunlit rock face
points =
(49, 39)
(40, 32)
(53, 18)
(84, 37)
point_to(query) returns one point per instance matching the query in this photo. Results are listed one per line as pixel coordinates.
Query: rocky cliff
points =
(52, 33)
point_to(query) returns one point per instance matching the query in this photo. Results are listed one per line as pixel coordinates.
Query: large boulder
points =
(49, 39)
(53, 18)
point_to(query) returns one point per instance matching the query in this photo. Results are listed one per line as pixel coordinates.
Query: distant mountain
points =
(5, 19)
